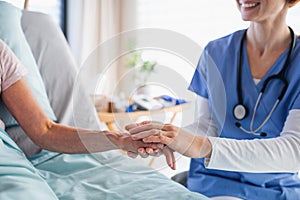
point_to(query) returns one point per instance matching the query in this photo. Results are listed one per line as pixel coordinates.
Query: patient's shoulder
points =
(11, 68)
(4, 51)
(3, 46)
(7, 56)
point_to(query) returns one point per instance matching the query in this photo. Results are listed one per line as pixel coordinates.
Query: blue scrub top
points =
(216, 79)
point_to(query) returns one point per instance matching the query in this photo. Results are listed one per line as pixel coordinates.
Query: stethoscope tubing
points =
(279, 76)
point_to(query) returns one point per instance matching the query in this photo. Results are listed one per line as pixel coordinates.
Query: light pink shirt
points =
(11, 70)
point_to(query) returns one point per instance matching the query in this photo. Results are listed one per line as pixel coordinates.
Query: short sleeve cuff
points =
(13, 79)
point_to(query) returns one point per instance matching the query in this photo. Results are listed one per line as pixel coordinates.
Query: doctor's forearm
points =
(256, 156)
(279, 154)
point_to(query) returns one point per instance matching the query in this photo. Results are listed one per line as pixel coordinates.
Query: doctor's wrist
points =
(207, 148)
(202, 147)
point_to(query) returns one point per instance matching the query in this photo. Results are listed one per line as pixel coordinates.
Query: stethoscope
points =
(240, 111)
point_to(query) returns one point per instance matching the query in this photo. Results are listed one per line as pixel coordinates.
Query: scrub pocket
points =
(19, 179)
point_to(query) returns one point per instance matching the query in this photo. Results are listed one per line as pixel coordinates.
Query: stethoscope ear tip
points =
(263, 134)
(237, 124)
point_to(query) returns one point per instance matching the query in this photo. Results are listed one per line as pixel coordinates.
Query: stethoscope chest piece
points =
(240, 112)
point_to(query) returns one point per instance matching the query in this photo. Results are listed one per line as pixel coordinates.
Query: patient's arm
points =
(56, 137)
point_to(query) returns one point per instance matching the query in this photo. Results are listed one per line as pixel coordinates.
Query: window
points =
(55, 8)
(201, 21)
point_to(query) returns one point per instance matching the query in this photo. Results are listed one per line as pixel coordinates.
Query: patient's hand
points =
(126, 143)
(145, 152)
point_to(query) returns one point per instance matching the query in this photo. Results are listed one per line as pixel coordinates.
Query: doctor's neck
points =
(265, 36)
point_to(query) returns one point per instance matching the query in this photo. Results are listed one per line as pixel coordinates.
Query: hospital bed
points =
(107, 175)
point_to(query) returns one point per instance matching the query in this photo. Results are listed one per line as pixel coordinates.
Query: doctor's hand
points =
(145, 152)
(125, 142)
(172, 136)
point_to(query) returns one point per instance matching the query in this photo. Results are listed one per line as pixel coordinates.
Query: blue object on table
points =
(129, 108)
(172, 99)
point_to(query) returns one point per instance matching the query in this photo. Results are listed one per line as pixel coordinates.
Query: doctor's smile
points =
(248, 4)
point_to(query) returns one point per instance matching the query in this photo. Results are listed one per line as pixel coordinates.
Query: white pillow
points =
(58, 70)
(11, 33)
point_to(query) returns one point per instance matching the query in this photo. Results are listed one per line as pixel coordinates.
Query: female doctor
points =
(257, 153)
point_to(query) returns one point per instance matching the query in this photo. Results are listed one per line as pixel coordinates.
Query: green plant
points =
(143, 68)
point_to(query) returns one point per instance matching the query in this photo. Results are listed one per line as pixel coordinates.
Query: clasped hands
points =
(165, 139)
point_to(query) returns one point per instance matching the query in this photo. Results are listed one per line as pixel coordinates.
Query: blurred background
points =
(87, 24)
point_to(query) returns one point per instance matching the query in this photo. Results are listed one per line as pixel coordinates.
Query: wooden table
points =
(111, 118)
